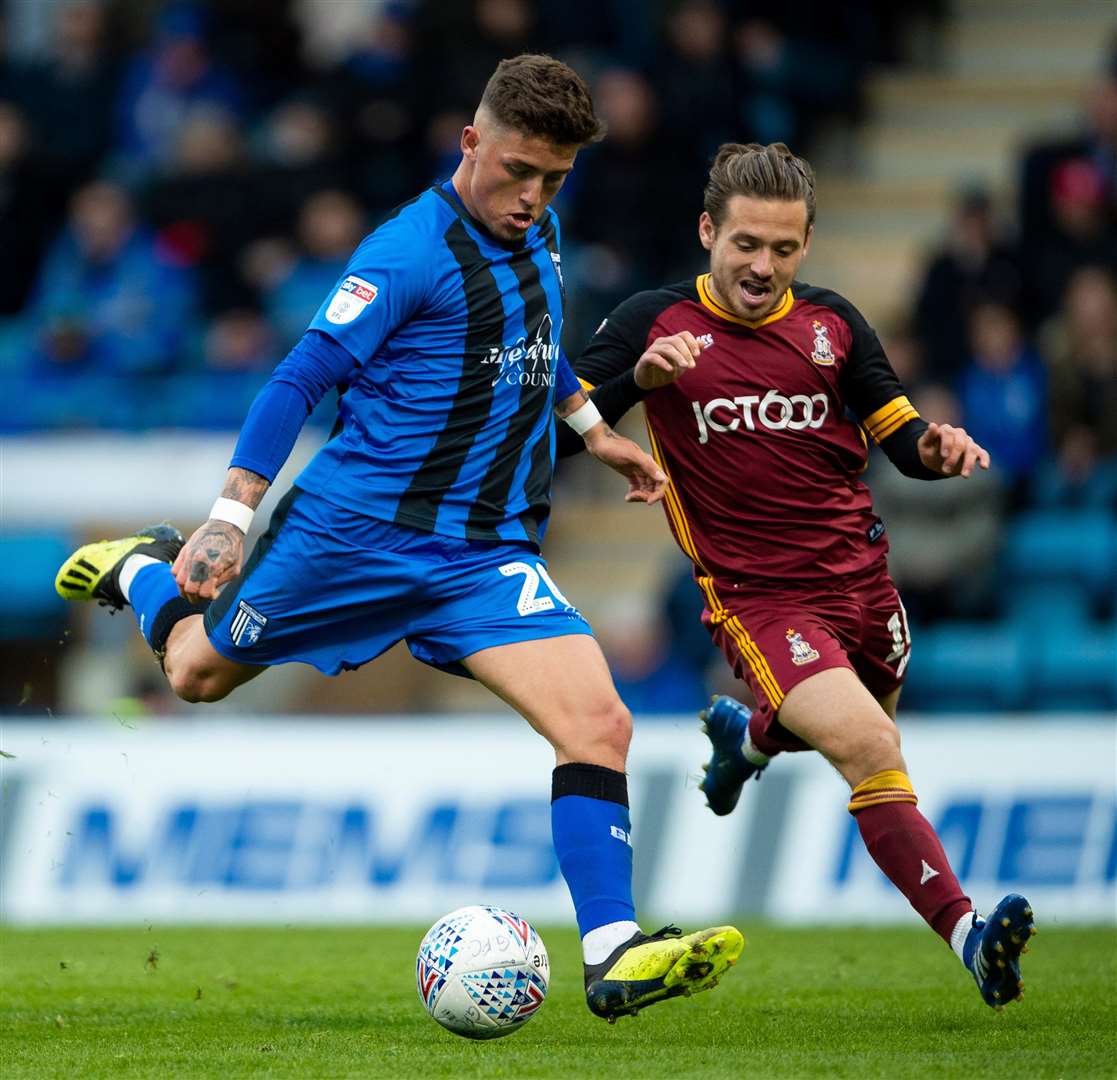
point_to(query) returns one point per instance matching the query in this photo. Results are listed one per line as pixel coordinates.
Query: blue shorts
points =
(333, 588)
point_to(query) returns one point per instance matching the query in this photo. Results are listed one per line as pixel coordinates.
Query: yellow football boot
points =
(93, 571)
(653, 967)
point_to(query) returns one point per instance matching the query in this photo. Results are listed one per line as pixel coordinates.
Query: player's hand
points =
(210, 558)
(950, 451)
(666, 359)
(646, 480)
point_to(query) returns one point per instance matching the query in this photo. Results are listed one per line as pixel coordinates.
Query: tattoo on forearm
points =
(244, 486)
(571, 404)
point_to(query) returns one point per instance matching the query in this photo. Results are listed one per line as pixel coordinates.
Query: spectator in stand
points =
(463, 42)
(300, 151)
(1083, 231)
(694, 82)
(206, 206)
(107, 299)
(976, 261)
(1081, 349)
(31, 206)
(68, 96)
(940, 580)
(330, 226)
(1003, 393)
(379, 100)
(633, 210)
(1096, 144)
(237, 353)
(175, 77)
(651, 674)
(791, 73)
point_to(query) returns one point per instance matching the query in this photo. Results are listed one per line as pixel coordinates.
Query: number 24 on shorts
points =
(530, 602)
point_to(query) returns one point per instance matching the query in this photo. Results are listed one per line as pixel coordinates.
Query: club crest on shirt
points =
(247, 625)
(823, 351)
(556, 260)
(801, 651)
(352, 297)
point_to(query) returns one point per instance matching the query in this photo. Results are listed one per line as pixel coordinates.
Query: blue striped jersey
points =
(447, 424)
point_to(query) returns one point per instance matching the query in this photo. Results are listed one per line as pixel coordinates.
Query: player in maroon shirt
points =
(749, 379)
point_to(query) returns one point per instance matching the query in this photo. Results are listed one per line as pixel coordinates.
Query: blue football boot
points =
(726, 723)
(993, 947)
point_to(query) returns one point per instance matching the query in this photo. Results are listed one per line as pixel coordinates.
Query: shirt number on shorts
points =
(901, 640)
(530, 602)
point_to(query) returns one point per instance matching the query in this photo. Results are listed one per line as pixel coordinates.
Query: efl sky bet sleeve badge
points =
(247, 626)
(352, 297)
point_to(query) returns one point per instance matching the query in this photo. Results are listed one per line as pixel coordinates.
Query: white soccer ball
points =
(482, 972)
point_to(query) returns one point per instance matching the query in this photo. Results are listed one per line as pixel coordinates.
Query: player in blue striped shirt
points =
(421, 518)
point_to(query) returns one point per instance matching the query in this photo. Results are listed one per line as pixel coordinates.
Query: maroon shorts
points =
(774, 639)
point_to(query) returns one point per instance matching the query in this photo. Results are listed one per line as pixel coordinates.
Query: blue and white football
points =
(482, 972)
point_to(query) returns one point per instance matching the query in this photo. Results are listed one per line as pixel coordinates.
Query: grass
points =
(231, 1002)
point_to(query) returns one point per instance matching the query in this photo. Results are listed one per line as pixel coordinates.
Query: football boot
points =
(725, 723)
(992, 950)
(93, 571)
(653, 967)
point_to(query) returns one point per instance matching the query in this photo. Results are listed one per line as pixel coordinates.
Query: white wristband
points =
(235, 513)
(584, 417)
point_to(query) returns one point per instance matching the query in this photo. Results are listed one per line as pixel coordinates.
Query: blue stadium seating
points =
(1063, 546)
(963, 666)
(28, 563)
(1077, 669)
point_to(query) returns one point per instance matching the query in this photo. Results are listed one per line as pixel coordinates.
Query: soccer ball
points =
(482, 972)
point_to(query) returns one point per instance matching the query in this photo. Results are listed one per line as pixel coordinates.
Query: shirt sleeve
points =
(385, 282)
(566, 382)
(275, 418)
(875, 394)
(620, 340)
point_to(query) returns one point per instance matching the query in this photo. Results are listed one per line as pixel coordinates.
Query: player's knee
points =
(196, 685)
(874, 747)
(610, 728)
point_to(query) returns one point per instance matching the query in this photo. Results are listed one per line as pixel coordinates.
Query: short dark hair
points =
(540, 96)
(764, 172)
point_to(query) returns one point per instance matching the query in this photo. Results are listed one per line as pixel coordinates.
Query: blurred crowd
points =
(182, 183)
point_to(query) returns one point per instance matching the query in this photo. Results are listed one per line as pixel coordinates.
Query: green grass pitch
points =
(296, 1002)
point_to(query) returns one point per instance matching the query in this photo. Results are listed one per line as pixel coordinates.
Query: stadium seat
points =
(28, 563)
(1076, 668)
(1065, 605)
(1063, 546)
(969, 667)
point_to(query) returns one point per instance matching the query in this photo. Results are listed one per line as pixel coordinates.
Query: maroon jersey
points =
(763, 458)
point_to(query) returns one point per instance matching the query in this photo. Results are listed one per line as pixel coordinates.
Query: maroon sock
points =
(903, 844)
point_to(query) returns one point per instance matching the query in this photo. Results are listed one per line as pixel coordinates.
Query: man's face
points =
(755, 252)
(507, 179)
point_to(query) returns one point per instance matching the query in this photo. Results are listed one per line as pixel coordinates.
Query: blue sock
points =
(153, 588)
(590, 827)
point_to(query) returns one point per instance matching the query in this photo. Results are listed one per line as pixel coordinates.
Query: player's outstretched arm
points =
(646, 480)
(950, 451)
(213, 555)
